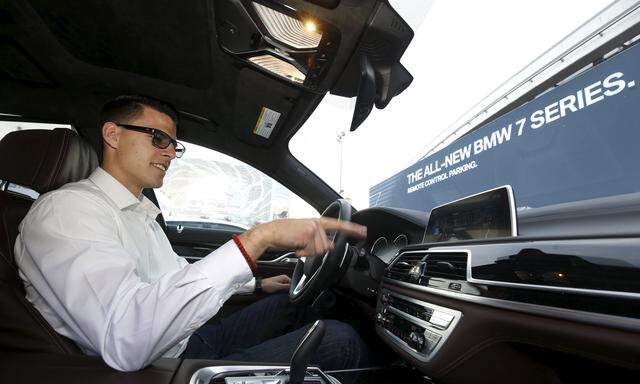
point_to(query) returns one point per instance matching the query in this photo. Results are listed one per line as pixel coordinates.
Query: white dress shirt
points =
(101, 271)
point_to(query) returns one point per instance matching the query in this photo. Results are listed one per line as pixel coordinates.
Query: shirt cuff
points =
(226, 267)
(249, 287)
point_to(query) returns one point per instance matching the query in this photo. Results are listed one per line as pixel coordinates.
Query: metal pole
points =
(340, 136)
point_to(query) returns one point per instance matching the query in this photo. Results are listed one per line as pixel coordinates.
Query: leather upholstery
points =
(41, 160)
(13, 208)
(44, 160)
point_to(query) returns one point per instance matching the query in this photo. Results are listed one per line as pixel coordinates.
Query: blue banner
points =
(578, 141)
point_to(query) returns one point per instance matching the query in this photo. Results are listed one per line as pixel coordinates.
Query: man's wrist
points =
(250, 260)
(255, 241)
(258, 285)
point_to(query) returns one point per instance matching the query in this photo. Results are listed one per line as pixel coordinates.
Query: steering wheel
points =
(313, 275)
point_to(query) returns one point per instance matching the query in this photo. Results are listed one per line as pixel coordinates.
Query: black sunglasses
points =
(159, 139)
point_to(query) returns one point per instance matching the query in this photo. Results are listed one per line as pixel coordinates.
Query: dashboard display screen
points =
(482, 216)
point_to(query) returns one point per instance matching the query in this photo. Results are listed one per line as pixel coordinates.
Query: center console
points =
(418, 327)
(298, 372)
(250, 374)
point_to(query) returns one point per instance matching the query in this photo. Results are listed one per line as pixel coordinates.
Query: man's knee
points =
(343, 347)
(339, 329)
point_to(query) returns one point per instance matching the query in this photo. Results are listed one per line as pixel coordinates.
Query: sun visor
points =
(261, 107)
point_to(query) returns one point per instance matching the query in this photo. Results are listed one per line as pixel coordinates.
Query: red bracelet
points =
(250, 261)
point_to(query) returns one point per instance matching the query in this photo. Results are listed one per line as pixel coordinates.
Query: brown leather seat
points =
(42, 160)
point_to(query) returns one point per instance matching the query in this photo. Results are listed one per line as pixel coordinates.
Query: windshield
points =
(461, 52)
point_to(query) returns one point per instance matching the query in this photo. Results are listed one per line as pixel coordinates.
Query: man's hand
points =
(276, 283)
(306, 237)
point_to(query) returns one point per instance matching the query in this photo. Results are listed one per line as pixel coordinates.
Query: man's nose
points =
(170, 151)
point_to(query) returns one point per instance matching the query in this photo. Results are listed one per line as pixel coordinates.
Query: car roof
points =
(61, 61)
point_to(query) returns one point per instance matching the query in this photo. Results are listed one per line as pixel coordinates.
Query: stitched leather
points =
(54, 158)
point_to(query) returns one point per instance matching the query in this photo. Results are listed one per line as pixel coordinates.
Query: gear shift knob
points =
(305, 350)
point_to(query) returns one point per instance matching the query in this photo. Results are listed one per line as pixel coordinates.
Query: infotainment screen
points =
(481, 216)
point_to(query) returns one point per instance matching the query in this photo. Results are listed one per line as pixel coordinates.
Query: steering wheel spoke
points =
(300, 286)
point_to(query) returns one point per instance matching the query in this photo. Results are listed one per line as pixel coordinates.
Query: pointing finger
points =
(321, 235)
(347, 227)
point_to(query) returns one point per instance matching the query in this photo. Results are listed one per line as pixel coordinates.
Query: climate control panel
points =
(420, 328)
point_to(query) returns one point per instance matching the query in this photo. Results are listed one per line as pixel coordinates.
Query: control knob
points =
(416, 341)
(384, 318)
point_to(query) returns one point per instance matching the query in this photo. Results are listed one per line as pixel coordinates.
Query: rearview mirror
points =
(378, 85)
(391, 82)
(366, 93)
(374, 71)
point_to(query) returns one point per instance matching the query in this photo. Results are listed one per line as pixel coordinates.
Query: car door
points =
(194, 242)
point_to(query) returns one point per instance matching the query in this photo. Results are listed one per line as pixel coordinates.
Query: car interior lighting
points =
(279, 67)
(288, 30)
(310, 26)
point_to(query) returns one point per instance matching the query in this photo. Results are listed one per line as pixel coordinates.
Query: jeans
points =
(269, 331)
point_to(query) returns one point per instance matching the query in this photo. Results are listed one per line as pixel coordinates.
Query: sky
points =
(461, 52)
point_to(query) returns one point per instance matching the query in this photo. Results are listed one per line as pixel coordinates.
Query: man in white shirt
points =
(101, 271)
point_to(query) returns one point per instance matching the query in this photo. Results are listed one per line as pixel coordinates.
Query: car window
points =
(11, 126)
(207, 189)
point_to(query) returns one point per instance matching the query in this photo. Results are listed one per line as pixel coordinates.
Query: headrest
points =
(44, 160)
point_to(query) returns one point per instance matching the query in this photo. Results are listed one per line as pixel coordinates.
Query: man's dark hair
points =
(125, 108)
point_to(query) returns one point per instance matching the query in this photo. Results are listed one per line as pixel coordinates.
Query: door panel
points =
(195, 243)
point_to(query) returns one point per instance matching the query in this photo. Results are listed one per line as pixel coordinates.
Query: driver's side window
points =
(207, 189)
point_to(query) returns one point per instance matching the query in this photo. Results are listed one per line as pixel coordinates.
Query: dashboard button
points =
(439, 322)
(441, 319)
(431, 340)
(455, 286)
(416, 341)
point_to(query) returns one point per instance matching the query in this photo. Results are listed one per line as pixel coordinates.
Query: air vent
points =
(446, 265)
(419, 267)
(403, 265)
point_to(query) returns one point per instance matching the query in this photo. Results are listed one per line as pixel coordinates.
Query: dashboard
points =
(533, 300)
(385, 248)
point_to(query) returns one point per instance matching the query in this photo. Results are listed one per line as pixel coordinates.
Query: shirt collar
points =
(120, 195)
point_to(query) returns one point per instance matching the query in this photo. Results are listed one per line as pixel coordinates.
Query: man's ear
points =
(110, 134)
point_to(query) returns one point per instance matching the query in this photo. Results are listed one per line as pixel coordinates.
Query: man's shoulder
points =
(85, 186)
(76, 195)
